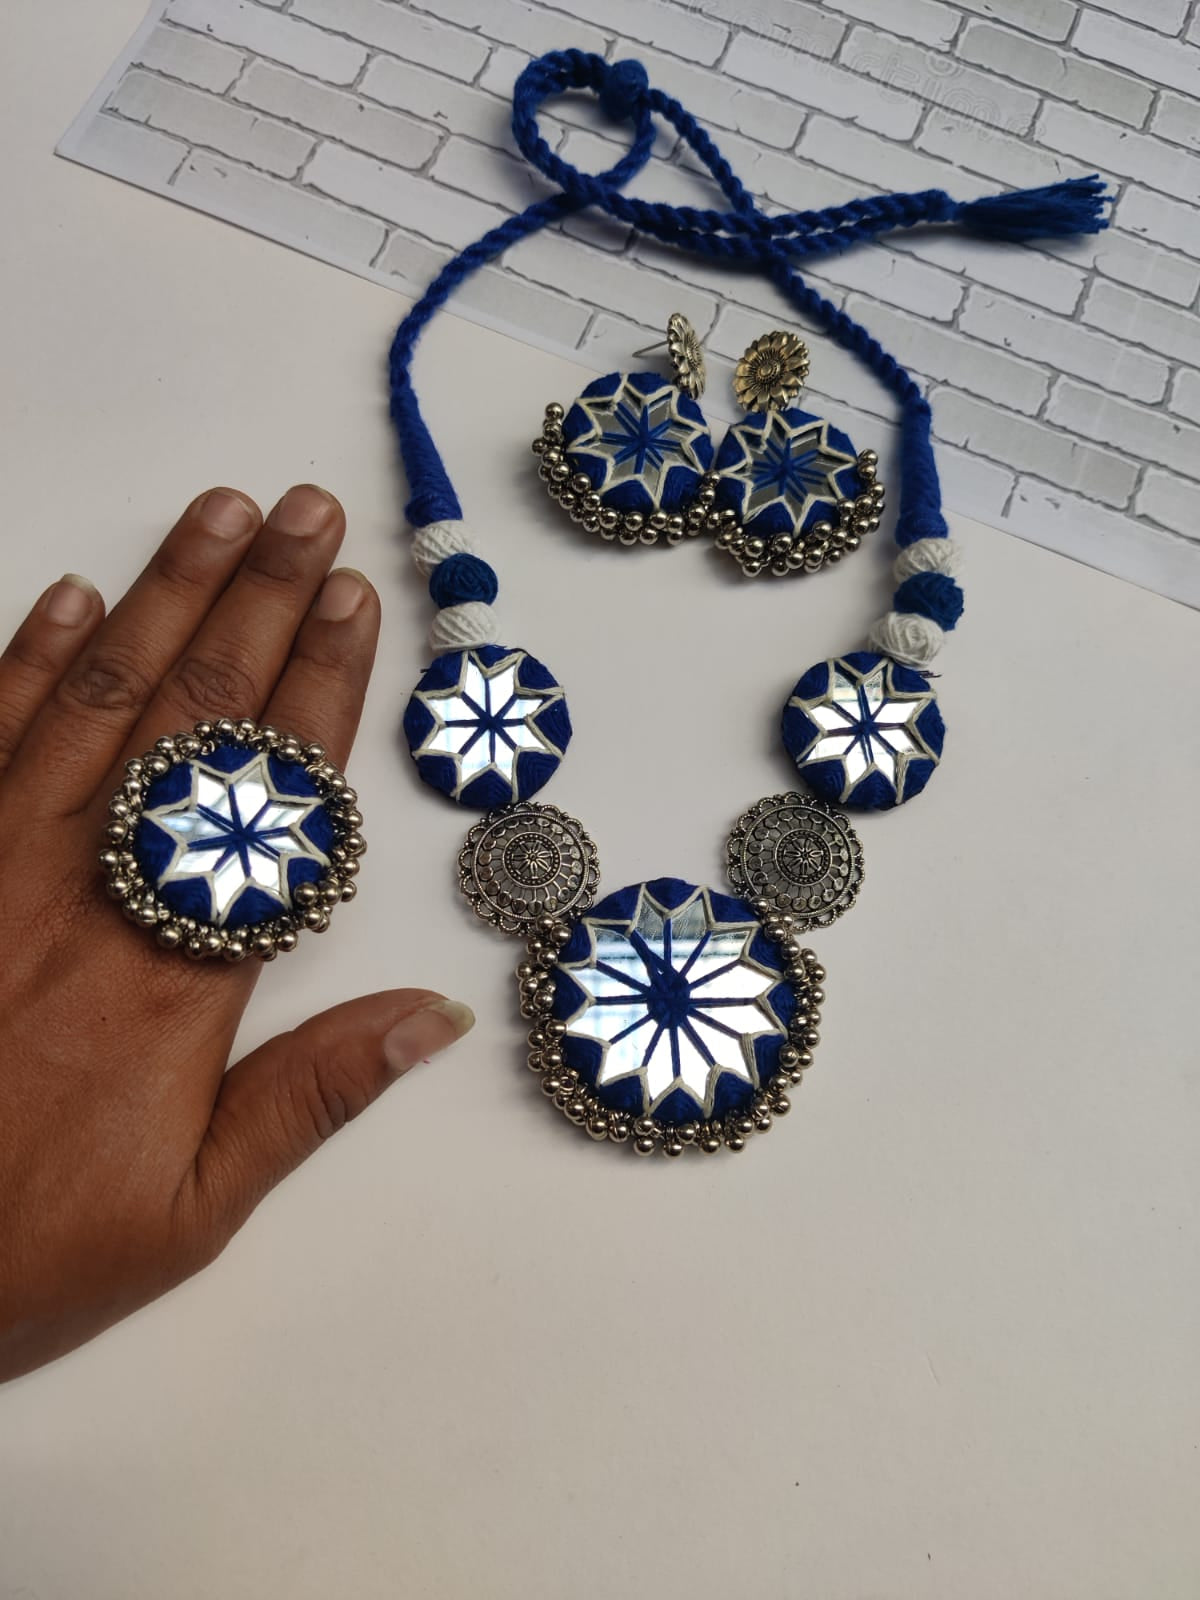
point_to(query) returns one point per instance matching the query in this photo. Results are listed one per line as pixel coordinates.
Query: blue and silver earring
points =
(229, 840)
(792, 494)
(629, 459)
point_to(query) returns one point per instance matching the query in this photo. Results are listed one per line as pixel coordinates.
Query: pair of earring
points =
(634, 461)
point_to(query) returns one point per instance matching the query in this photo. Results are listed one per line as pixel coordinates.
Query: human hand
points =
(128, 1155)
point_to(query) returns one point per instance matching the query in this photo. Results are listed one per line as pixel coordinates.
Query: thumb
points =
(286, 1098)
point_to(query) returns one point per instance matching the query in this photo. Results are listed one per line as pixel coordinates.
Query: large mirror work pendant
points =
(670, 1017)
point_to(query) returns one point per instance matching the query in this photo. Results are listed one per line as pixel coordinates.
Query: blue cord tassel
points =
(1052, 212)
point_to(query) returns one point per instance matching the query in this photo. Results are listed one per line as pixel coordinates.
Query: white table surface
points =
(936, 1336)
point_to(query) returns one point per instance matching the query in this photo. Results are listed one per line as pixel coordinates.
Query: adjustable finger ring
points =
(228, 840)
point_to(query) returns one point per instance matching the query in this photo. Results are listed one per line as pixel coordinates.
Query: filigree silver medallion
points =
(798, 854)
(526, 861)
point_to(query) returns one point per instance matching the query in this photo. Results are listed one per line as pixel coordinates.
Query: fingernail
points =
(70, 601)
(341, 595)
(303, 510)
(424, 1033)
(226, 515)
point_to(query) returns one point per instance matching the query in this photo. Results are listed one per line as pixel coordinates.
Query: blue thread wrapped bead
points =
(621, 92)
(864, 731)
(461, 578)
(487, 726)
(931, 594)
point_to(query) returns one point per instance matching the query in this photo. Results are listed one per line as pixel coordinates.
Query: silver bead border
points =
(562, 1086)
(200, 940)
(795, 554)
(495, 916)
(737, 877)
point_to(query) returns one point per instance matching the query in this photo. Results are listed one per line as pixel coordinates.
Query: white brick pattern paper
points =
(1065, 378)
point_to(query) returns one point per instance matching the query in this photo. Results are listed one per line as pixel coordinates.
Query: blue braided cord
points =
(743, 234)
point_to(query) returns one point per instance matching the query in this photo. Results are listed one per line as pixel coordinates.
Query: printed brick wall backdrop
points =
(1065, 380)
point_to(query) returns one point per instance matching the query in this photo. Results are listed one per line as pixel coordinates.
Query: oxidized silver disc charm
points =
(800, 855)
(228, 840)
(670, 1015)
(527, 861)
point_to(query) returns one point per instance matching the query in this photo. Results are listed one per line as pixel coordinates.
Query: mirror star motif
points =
(236, 831)
(868, 724)
(675, 1000)
(786, 460)
(486, 720)
(638, 437)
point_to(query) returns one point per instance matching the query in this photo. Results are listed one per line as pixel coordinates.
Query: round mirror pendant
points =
(487, 726)
(670, 1015)
(863, 730)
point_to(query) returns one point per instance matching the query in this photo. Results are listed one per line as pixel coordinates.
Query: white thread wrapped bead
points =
(927, 555)
(437, 540)
(906, 637)
(463, 627)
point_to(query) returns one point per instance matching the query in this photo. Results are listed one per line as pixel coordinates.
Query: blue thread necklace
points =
(669, 1015)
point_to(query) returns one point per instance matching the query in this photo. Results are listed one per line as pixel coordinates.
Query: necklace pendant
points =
(670, 1016)
(864, 731)
(797, 855)
(487, 726)
(527, 862)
